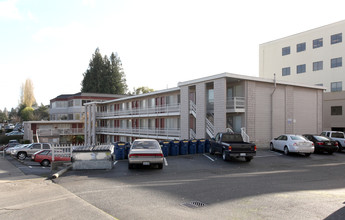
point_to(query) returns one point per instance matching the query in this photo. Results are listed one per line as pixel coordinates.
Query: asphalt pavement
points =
(33, 197)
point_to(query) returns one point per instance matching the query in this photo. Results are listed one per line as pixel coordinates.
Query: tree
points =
(3, 116)
(142, 90)
(41, 113)
(104, 75)
(27, 97)
(27, 114)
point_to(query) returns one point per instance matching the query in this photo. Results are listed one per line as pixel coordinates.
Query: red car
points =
(44, 157)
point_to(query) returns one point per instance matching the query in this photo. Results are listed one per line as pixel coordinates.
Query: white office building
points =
(313, 57)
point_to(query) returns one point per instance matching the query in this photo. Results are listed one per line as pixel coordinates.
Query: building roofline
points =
(244, 77)
(86, 94)
(304, 32)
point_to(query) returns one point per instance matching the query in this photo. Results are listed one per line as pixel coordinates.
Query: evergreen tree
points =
(104, 75)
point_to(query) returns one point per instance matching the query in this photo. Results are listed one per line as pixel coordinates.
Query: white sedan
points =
(145, 152)
(292, 143)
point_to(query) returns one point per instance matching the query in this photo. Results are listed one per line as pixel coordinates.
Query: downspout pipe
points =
(275, 86)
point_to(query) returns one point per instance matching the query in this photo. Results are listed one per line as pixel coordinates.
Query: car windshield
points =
(297, 137)
(338, 135)
(321, 138)
(145, 145)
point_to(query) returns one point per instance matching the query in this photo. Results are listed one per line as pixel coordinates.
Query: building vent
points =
(194, 204)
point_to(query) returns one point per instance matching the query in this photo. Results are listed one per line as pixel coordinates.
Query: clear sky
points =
(160, 42)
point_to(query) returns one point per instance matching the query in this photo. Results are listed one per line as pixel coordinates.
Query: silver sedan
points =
(145, 152)
(292, 143)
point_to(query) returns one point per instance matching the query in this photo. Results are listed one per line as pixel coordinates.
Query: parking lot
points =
(271, 186)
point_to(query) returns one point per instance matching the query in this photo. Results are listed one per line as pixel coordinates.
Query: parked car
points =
(10, 144)
(230, 144)
(322, 143)
(290, 143)
(336, 136)
(22, 153)
(44, 157)
(8, 150)
(14, 133)
(145, 152)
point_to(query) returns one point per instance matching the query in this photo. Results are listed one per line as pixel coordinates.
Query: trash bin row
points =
(169, 148)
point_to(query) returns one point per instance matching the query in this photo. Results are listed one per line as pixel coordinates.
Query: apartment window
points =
(301, 68)
(336, 110)
(336, 86)
(301, 47)
(336, 62)
(319, 84)
(286, 71)
(317, 43)
(285, 51)
(336, 38)
(317, 65)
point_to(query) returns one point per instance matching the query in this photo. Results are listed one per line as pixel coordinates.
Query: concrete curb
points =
(58, 174)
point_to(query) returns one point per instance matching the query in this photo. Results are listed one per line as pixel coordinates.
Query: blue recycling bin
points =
(119, 150)
(201, 146)
(174, 148)
(127, 147)
(184, 147)
(207, 145)
(192, 146)
(165, 145)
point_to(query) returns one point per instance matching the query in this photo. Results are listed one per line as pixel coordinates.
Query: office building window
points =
(317, 65)
(286, 71)
(317, 43)
(336, 86)
(336, 38)
(336, 110)
(301, 47)
(301, 68)
(336, 62)
(285, 51)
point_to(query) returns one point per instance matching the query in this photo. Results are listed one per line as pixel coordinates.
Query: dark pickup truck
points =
(232, 145)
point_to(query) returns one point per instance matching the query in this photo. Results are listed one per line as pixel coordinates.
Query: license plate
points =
(243, 154)
(146, 163)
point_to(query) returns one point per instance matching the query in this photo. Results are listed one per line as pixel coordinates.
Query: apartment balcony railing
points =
(235, 104)
(60, 131)
(169, 132)
(141, 111)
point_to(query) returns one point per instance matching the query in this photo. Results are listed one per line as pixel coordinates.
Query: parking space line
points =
(208, 157)
(115, 163)
(30, 167)
(165, 161)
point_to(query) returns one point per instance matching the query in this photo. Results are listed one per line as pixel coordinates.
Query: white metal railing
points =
(192, 108)
(245, 136)
(235, 103)
(192, 134)
(141, 111)
(174, 132)
(59, 131)
(62, 150)
(209, 128)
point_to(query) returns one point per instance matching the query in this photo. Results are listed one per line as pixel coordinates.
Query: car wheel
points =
(224, 156)
(248, 159)
(21, 155)
(307, 155)
(271, 147)
(286, 150)
(210, 150)
(160, 166)
(340, 148)
(45, 163)
(330, 152)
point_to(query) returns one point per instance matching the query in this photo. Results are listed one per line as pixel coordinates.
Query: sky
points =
(160, 42)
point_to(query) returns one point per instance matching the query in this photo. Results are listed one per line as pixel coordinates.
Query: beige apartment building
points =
(258, 108)
(313, 57)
